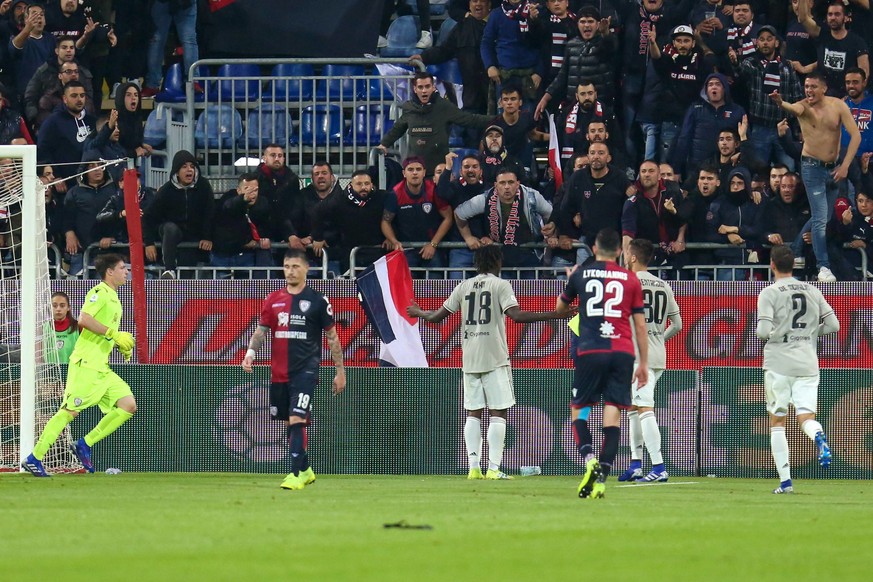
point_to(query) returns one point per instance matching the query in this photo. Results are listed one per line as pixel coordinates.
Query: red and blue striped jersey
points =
(608, 296)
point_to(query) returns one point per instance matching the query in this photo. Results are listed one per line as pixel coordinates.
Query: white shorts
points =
(491, 390)
(645, 395)
(780, 391)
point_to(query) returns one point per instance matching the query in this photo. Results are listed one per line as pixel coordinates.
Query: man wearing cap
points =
(427, 116)
(763, 72)
(495, 156)
(681, 68)
(415, 214)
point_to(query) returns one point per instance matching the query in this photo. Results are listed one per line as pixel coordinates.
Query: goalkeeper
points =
(89, 379)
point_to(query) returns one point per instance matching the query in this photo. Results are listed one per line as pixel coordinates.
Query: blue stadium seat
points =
(462, 152)
(244, 89)
(293, 88)
(173, 90)
(456, 136)
(375, 89)
(218, 127)
(320, 125)
(369, 124)
(268, 124)
(402, 36)
(340, 86)
(445, 30)
(155, 130)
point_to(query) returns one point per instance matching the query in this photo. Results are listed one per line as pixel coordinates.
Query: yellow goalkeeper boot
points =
(307, 476)
(293, 482)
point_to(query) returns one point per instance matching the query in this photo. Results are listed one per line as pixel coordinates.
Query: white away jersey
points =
(795, 309)
(482, 302)
(659, 305)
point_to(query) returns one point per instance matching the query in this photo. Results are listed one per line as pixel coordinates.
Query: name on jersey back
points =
(603, 273)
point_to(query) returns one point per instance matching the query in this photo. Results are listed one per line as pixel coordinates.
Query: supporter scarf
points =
(771, 73)
(747, 45)
(492, 160)
(557, 20)
(573, 116)
(519, 12)
(647, 20)
(355, 198)
(671, 52)
(512, 220)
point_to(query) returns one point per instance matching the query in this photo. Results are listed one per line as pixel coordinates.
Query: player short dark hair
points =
(296, 254)
(585, 81)
(317, 163)
(506, 170)
(74, 84)
(782, 258)
(472, 157)
(642, 249)
(856, 71)
(105, 262)
(777, 166)
(608, 241)
(361, 173)
(274, 145)
(488, 259)
(247, 177)
(510, 88)
(734, 133)
(602, 143)
(64, 38)
(709, 168)
(818, 76)
(422, 75)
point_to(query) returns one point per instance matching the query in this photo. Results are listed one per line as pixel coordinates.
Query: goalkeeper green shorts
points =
(87, 387)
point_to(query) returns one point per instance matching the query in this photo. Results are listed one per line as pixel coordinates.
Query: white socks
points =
(496, 440)
(473, 440)
(651, 436)
(635, 435)
(811, 428)
(779, 447)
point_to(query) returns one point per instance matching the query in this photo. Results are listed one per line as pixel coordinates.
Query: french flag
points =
(554, 153)
(385, 290)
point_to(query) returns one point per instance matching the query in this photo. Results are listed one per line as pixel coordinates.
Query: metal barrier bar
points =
(360, 96)
(323, 269)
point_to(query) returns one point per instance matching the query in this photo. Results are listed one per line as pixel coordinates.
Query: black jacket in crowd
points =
(232, 229)
(192, 207)
(281, 189)
(599, 208)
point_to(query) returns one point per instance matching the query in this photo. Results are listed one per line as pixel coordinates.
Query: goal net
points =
(31, 378)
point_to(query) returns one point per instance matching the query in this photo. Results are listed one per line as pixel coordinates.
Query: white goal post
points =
(31, 380)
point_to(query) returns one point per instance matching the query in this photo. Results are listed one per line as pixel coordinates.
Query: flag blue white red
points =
(555, 153)
(385, 290)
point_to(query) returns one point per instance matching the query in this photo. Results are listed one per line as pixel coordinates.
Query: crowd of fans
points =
(663, 109)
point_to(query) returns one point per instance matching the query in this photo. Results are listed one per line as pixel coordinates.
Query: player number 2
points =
(483, 317)
(609, 296)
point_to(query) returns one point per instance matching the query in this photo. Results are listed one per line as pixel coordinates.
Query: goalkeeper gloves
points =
(123, 340)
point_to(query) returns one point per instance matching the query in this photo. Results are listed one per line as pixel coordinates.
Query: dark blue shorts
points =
(293, 398)
(603, 375)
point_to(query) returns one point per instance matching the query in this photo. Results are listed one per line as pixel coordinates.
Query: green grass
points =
(208, 526)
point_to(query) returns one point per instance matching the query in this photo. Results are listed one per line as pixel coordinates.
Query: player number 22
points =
(609, 296)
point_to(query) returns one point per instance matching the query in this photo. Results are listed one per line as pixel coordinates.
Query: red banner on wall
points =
(210, 322)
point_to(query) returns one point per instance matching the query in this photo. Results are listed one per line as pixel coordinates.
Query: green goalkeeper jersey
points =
(92, 350)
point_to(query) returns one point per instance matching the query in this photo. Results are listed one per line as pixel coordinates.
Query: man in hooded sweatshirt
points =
(698, 138)
(81, 206)
(61, 139)
(735, 216)
(427, 116)
(128, 104)
(183, 211)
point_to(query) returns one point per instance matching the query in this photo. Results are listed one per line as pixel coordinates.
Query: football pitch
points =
(231, 526)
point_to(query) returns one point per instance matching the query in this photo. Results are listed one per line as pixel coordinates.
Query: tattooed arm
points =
(255, 343)
(336, 353)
